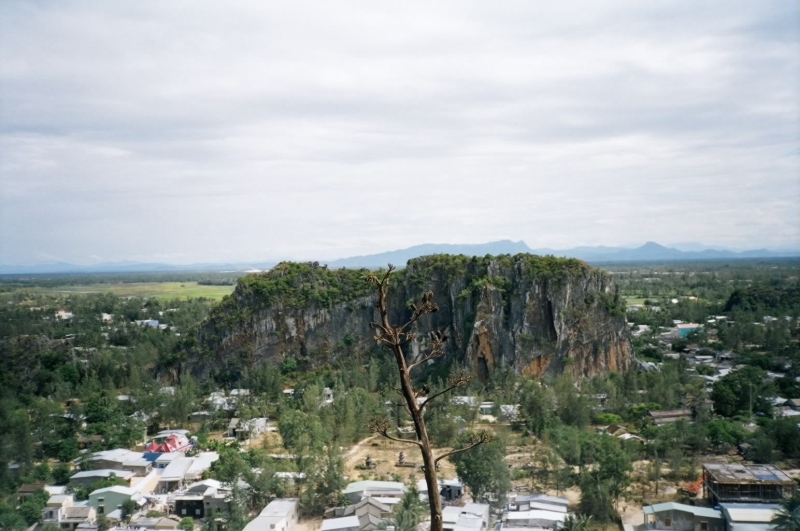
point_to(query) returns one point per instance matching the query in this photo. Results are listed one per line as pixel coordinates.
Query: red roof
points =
(173, 443)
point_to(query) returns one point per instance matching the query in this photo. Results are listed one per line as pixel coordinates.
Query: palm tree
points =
(408, 514)
(576, 523)
(788, 518)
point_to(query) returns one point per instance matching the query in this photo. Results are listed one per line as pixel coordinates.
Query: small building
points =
(449, 490)
(89, 477)
(684, 329)
(359, 490)
(174, 474)
(681, 517)
(111, 499)
(114, 459)
(183, 469)
(232, 425)
(158, 522)
(538, 502)
(327, 396)
(669, 416)
(737, 483)
(280, 514)
(251, 428)
(199, 417)
(203, 499)
(486, 408)
(27, 490)
(370, 513)
(61, 512)
(471, 517)
(536, 518)
(346, 523)
(749, 516)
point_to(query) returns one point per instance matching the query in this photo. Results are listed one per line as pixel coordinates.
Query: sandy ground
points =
(384, 455)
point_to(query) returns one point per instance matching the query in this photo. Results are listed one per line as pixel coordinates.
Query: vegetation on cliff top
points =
(297, 285)
(293, 286)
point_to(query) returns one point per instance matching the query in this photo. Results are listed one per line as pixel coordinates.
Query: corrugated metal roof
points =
(670, 506)
(749, 512)
(340, 523)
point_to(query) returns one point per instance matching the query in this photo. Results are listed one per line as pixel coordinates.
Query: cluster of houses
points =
(168, 470)
(740, 498)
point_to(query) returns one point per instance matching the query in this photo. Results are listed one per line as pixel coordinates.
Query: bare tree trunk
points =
(394, 337)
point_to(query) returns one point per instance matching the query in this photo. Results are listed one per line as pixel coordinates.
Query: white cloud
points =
(195, 131)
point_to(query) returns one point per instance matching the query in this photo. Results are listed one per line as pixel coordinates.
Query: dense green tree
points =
(484, 471)
(743, 391)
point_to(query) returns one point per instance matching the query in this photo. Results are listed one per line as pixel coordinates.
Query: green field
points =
(161, 290)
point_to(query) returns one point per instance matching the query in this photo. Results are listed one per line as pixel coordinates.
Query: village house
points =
(281, 514)
(359, 490)
(202, 499)
(182, 469)
(156, 522)
(449, 490)
(535, 511)
(251, 429)
(117, 459)
(60, 511)
(470, 517)
(199, 417)
(366, 515)
(110, 500)
(87, 478)
(749, 516)
(660, 418)
(526, 502)
(680, 517)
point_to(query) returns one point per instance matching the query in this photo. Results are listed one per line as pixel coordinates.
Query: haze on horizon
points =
(189, 132)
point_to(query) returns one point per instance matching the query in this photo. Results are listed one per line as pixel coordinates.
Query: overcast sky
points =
(228, 131)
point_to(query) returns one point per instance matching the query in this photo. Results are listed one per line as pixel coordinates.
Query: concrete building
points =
(736, 483)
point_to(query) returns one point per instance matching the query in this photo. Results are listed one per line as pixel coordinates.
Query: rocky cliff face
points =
(532, 314)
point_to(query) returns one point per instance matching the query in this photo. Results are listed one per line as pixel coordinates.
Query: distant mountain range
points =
(649, 252)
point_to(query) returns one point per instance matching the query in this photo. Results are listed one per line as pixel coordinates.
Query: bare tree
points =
(394, 338)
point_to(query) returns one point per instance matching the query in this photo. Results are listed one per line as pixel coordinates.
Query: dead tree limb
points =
(394, 338)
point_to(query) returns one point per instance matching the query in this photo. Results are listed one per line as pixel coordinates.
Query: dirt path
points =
(356, 449)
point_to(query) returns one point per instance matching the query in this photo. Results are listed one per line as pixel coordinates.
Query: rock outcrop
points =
(532, 314)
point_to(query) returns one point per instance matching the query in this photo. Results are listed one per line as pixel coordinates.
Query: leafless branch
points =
(381, 426)
(437, 349)
(476, 439)
(457, 379)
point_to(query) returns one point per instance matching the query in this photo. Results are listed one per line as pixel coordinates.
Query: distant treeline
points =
(207, 278)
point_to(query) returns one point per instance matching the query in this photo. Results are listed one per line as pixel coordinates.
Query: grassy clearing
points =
(161, 290)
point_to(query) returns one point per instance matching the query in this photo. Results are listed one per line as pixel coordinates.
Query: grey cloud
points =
(195, 131)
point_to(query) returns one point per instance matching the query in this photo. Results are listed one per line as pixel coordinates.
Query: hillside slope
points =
(528, 313)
